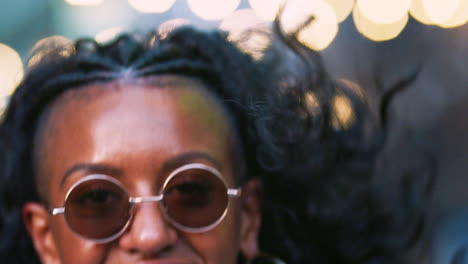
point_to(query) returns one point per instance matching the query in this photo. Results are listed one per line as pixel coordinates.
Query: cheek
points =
(73, 249)
(221, 244)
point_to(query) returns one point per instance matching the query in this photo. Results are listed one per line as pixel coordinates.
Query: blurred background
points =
(374, 44)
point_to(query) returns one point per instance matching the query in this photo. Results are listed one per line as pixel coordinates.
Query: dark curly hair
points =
(314, 166)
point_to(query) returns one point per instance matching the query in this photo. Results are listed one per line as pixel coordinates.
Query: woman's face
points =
(138, 133)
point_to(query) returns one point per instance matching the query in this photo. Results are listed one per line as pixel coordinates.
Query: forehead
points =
(178, 95)
(106, 121)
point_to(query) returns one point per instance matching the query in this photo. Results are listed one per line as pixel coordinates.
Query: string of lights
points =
(377, 20)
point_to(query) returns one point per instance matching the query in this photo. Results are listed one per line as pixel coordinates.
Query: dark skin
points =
(142, 132)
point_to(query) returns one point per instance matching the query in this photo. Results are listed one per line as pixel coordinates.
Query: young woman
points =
(182, 149)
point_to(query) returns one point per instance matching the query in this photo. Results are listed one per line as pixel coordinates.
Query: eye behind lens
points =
(195, 198)
(97, 208)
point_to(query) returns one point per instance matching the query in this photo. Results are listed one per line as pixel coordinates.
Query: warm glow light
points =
(378, 32)
(84, 2)
(152, 6)
(343, 112)
(108, 34)
(266, 9)
(383, 11)
(240, 20)
(11, 70)
(320, 32)
(239, 25)
(417, 11)
(342, 8)
(311, 104)
(459, 18)
(213, 9)
(440, 11)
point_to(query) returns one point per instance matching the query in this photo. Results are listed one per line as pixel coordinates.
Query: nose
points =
(149, 234)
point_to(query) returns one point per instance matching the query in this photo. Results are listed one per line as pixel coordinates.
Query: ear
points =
(36, 219)
(251, 218)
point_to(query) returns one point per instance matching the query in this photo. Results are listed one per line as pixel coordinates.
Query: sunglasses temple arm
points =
(57, 211)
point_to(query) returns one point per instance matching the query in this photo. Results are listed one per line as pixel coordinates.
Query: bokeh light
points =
(266, 9)
(84, 2)
(343, 113)
(108, 34)
(246, 30)
(440, 11)
(375, 31)
(342, 8)
(152, 6)
(417, 12)
(459, 18)
(311, 103)
(11, 70)
(383, 11)
(240, 20)
(323, 28)
(213, 9)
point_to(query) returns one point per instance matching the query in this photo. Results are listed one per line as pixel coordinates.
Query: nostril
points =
(151, 254)
(133, 251)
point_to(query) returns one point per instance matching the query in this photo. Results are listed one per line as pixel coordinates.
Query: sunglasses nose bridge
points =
(146, 199)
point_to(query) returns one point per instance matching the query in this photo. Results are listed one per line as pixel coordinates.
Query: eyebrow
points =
(91, 168)
(186, 158)
(167, 166)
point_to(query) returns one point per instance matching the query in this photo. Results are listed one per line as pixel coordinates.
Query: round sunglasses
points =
(194, 198)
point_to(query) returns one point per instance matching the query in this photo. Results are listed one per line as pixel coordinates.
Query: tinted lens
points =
(97, 209)
(195, 198)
